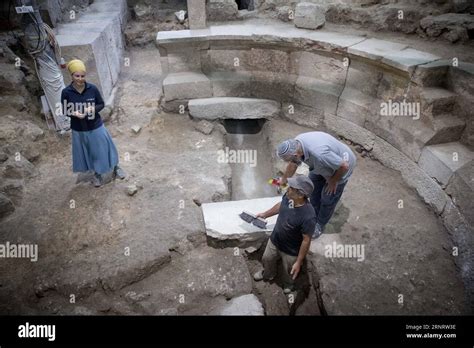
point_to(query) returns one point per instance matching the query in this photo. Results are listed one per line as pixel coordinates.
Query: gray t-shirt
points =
(324, 154)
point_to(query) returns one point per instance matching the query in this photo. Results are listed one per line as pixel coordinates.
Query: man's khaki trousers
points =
(270, 259)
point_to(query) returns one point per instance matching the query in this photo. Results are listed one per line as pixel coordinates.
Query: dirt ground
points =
(148, 253)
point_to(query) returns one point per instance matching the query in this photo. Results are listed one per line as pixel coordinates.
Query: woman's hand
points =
(78, 115)
(261, 215)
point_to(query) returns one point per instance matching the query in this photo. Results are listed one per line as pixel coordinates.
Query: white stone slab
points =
(242, 305)
(223, 222)
(375, 49)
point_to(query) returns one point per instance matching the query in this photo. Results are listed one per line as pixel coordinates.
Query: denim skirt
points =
(93, 151)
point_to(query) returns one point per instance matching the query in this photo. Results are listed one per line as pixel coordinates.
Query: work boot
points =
(258, 276)
(119, 173)
(318, 230)
(97, 180)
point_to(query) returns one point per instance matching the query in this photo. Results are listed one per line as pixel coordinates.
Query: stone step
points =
(432, 74)
(437, 100)
(443, 160)
(233, 108)
(186, 85)
(448, 128)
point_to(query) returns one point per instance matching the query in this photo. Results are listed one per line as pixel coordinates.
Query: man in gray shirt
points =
(330, 162)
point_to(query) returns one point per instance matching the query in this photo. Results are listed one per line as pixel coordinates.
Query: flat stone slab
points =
(255, 31)
(443, 160)
(223, 222)
(233, 108)
(397, 55)
(242, 305)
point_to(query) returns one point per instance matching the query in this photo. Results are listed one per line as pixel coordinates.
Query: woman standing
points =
(92, 146)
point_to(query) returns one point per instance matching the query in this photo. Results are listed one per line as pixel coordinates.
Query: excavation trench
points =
(249, 155)
(250, 159)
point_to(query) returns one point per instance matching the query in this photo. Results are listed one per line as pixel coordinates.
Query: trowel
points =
(253, 219)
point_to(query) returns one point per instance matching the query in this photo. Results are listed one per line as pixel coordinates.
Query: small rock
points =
(309, 15)
(136, 129)
(32, 154)
(19, 169)
(197, 202)
(204, 127)
(132, 189)
(359, 149)
(134, 297)
(283, 13)
(250, 250)
(142, 11)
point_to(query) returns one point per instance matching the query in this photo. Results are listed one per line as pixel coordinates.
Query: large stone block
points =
(186, 85)
(233, 108)
(108, 29)
(235, 84)
(90, 48)
(364, 77)
(303, 115)
(319, 94)
(355, 106)
(197, 14)
(309, 15)
(112, 8)
(442, 161)
(272, 85)
(222, 10)
(319, 66)
(461, 189)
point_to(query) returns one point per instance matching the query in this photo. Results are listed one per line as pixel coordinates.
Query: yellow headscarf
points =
(76, 65)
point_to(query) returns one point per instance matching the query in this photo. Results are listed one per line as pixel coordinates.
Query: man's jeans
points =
(323, 203)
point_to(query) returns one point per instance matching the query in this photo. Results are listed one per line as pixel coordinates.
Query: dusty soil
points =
(121, 254)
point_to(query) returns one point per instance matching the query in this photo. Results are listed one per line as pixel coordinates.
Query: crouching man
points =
(291, 236)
